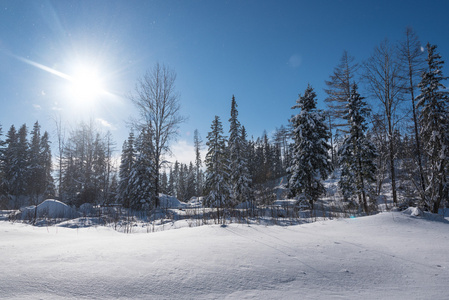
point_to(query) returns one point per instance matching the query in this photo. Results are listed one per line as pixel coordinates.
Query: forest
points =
(384, 133)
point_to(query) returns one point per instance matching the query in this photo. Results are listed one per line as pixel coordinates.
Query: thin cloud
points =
(295, 61)
(105, 123)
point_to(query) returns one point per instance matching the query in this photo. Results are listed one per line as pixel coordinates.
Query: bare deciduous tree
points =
(338, 92)
(411, 57)
(159, 109)
(382, 75)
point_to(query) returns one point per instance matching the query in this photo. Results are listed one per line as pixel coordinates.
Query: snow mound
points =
(416, 212)
(413, 211)
(50, 208)
(166, 201)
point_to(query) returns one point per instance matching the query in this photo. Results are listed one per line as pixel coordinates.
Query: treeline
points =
(25, 167)
(85, 172)
(396, 143)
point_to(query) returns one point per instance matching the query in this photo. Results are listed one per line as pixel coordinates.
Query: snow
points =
(170, 202)
(392, 255)
(49, 208)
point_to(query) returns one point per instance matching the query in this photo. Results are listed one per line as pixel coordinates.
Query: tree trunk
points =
(392, 168)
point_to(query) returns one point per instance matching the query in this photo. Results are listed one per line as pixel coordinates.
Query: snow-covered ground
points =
(392, 255)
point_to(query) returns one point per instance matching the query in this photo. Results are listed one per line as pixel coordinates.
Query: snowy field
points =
(391, 255)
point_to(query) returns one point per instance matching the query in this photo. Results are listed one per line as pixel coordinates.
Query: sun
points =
(85, 83)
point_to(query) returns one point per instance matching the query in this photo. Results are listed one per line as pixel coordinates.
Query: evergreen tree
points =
(84, 166)
(433, 103)
(142, 174)
(9, 161)
(217, 165)
(171, 183)
(99, 165)
(48, 187)
(2, 160)
(268, 155)
(21, 166)
(240, 181)
(181, 184)
(190, 181)
(357, 154)
(164, 183)
(35, 172)
(310, 158)
(198, 163)
(176, 179)
(126, 163)
(281, 137)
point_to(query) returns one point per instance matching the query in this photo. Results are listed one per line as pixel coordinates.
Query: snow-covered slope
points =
(386, 256)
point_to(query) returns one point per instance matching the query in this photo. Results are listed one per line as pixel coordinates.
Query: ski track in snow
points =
(386, 256)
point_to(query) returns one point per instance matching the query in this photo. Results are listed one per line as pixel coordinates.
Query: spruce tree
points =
(21, 165)
(126, 163)
(2, 160)
(164, 183)
(9, 160)
(310, 159)
(357, 154)
(35, 171)
(190, 181)
(48, 187)
(171, 183)
(142, 174)
(217, 165)
(198, 163)
(240, 181)
(433, 106)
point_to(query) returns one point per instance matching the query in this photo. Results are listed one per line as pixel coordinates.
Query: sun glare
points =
(85, 84)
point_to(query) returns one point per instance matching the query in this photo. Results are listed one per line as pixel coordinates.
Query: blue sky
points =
(263, 52)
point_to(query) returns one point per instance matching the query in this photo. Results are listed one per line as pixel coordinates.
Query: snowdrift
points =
(50, 208)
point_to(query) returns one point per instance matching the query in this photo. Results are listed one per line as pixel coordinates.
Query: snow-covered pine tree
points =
(48, 187)
(126, 163)
(22, 163)
(9, 159)
(281, 137)
(142, 174)
(433, 106)
(2, 150)
(35, 171)
(164, 183)
(357, 154)
(190, 181)
(217, 189)
(181, 184)
(197, 142)
(99, 166)
(171, 183)
(175, 179)
(240, 179)
(310, 157)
